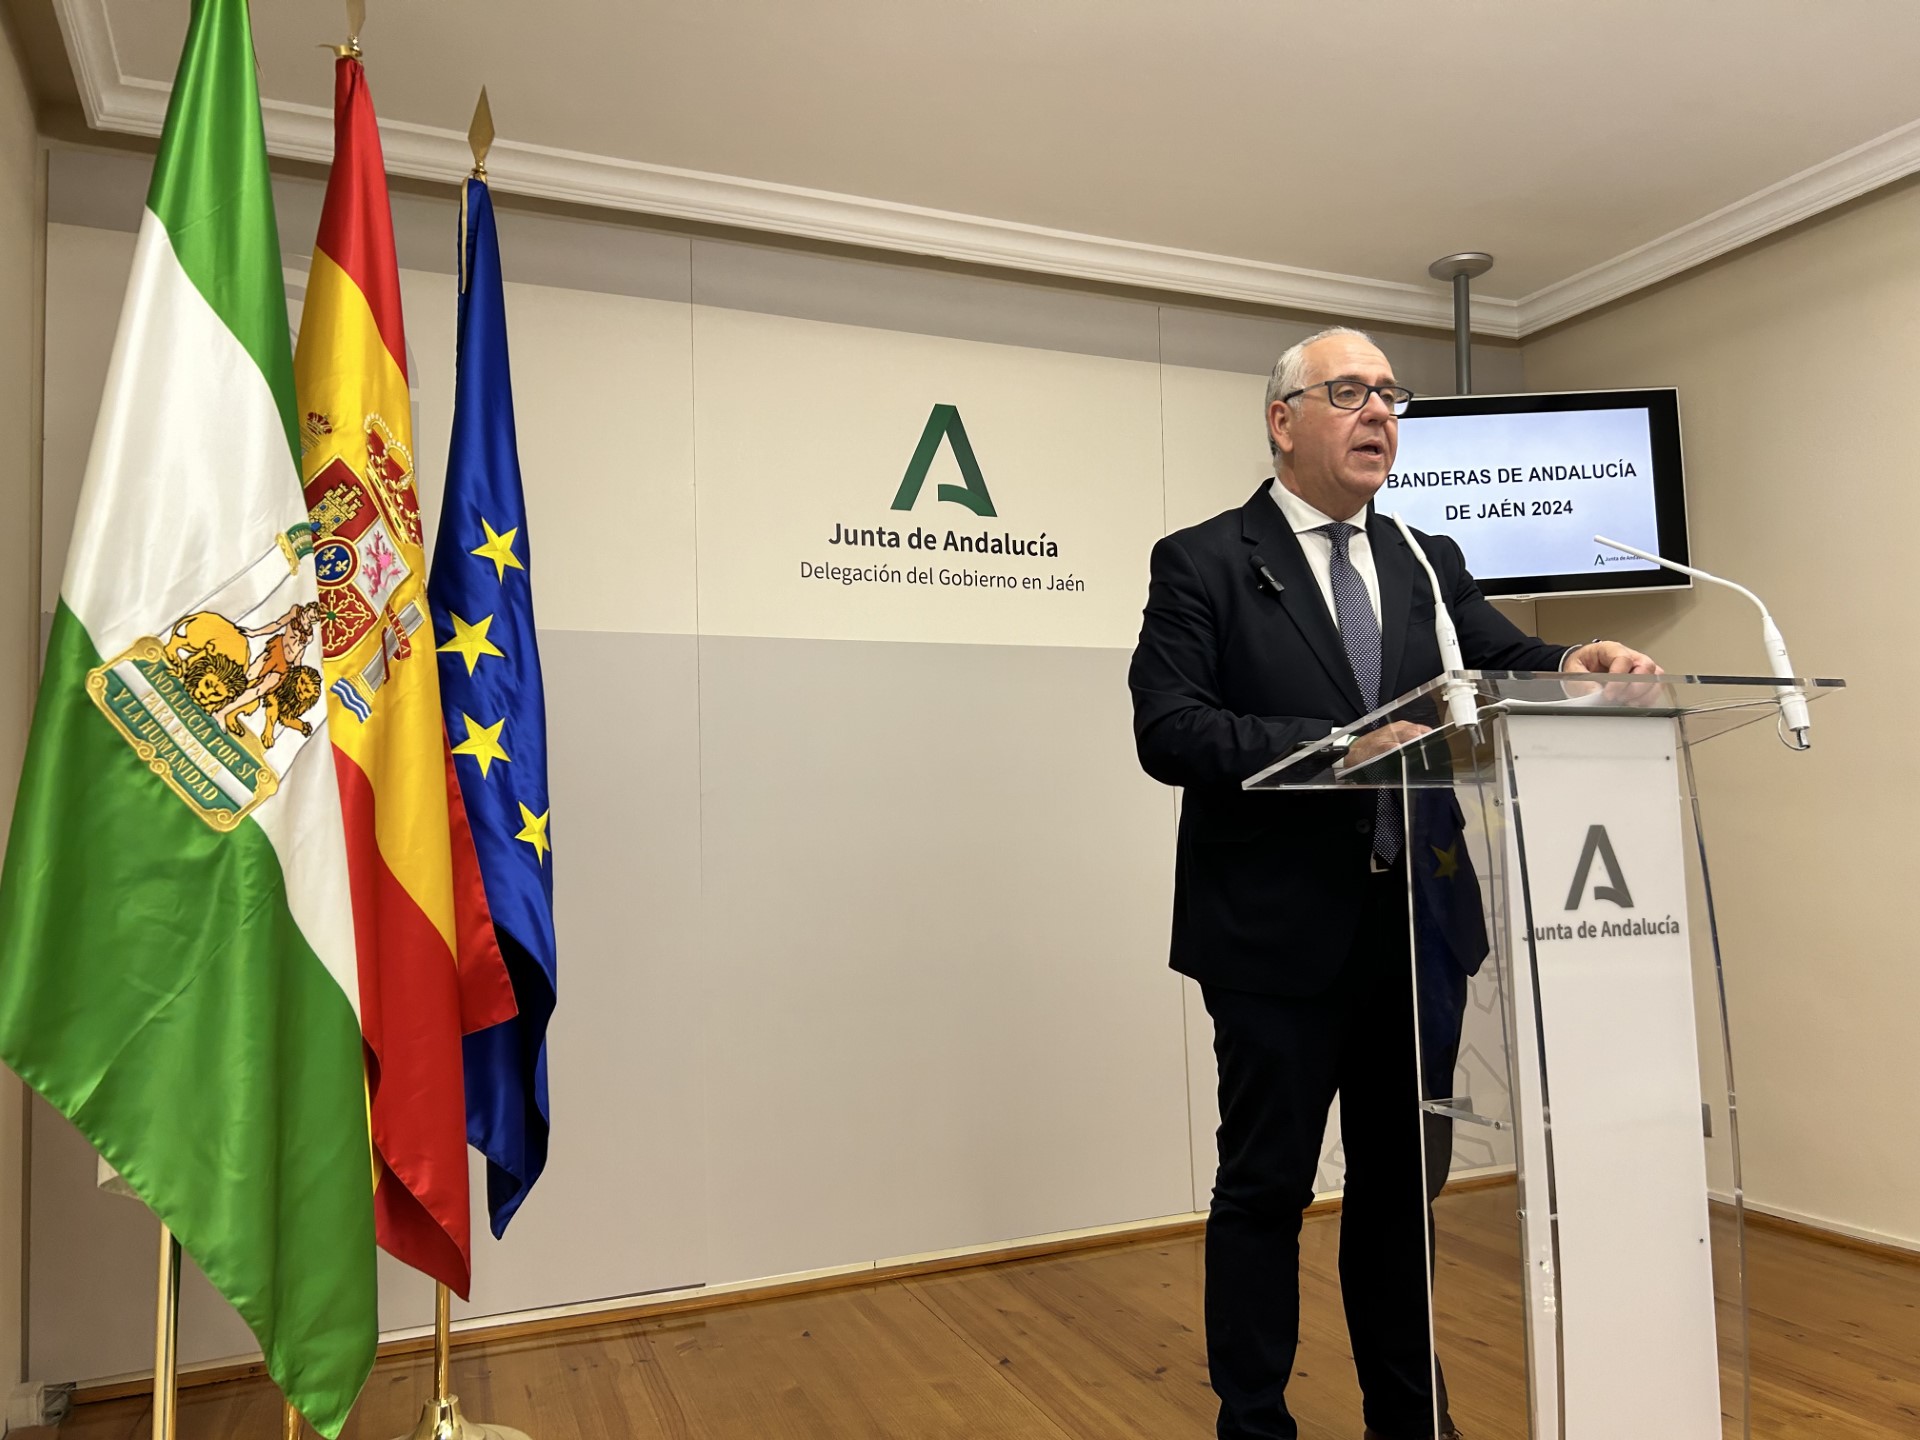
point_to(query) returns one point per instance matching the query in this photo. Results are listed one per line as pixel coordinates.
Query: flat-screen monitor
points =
(1524, 483)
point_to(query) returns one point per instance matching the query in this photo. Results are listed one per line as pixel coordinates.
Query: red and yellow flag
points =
(430, 968)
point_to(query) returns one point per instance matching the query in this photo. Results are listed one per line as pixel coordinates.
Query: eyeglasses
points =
(1352, 395)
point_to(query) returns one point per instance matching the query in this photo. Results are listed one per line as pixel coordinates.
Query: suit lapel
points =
(1395, 565)
(1267, 534)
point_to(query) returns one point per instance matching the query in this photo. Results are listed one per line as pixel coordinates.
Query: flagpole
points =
(166, 1334)
(443, 1344)
(290, 1422)
(441, 1420)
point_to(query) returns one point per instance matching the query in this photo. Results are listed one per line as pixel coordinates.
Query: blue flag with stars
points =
(481, 594)
(1449, 931)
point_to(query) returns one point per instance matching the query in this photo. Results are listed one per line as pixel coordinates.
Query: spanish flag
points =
(430, 968)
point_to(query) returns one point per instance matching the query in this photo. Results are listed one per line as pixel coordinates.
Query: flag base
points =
(441, 1420)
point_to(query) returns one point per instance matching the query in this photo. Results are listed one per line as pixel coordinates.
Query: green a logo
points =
(944, 422)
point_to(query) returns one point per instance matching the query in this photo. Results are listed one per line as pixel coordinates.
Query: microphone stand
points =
(1793, 704)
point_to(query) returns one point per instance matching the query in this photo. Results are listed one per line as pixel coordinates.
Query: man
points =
(287, 640)
(1267, 627)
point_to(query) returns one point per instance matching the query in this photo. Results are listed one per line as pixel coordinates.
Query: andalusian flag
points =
(429, 967)
(176, 955)
(482, 594)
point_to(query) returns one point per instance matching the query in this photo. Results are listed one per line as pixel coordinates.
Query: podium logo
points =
(1599, 847)
(944, 424)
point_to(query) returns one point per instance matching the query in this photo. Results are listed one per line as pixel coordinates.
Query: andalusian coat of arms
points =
(218, 706)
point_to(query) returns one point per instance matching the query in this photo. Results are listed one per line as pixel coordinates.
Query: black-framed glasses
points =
(1352, 394)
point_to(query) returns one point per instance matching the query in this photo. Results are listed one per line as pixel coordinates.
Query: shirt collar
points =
(1302, 517)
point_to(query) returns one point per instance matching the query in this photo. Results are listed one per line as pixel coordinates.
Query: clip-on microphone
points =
(1265, 579)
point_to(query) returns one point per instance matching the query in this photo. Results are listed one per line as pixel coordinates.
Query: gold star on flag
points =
(1446, 861)
(534, 832)
(483, 743)
(470, 642)
(499, 549)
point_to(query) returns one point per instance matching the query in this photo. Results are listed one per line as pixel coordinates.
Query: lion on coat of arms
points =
(214, 660)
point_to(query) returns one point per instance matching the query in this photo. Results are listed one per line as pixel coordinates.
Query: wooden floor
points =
(1098, 1345)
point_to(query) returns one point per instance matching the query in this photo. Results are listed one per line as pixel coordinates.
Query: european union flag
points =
(481, 595)
(1449, 931)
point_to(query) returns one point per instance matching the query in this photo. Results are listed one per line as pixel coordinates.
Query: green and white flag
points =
(177, 971)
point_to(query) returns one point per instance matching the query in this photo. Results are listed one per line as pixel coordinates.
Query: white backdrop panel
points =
(939, 1012)
(804, 428)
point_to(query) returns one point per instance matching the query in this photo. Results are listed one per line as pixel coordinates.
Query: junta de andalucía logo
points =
(944, 424)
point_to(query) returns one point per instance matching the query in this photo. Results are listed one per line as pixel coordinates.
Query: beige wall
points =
(1797, 364)
(21, 212)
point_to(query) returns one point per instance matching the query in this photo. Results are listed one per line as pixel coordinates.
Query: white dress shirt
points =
(1318, 549)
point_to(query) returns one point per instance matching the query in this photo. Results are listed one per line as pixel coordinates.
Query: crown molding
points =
(1818, 188)
(113, 101)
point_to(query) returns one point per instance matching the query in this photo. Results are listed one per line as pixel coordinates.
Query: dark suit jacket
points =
(1226, 679)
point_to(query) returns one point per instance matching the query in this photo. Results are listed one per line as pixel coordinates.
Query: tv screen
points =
(1524, 483)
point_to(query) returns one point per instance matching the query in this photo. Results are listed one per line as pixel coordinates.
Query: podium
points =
(1571, 1027)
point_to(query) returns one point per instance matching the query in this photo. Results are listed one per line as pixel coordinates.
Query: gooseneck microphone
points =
(1264, 578)
(1462, 708)
(1793, 705)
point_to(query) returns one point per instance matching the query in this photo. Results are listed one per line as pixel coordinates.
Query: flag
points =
(482, 600)
(429, 967)
(1449, 930)
(177, 968)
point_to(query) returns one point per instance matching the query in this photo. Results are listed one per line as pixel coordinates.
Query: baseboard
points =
(1877, 1243)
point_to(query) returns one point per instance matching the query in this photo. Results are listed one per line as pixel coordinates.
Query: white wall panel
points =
(804, 426)
(621, 1209)
(938, 1008)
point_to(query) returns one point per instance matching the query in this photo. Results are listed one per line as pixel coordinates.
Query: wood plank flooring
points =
(1096, 1345)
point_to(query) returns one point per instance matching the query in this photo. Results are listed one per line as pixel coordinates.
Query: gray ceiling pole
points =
(1460, 269)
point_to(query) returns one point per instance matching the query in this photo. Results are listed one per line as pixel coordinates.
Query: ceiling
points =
(1307, 153)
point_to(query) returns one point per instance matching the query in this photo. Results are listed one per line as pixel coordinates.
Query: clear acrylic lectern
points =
(1571, 1040)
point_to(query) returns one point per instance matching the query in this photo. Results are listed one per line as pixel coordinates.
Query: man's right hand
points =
(1388, 737)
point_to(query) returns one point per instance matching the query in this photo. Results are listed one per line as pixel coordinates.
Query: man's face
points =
(1335, 459)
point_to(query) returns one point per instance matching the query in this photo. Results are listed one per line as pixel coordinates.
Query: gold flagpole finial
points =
(480, 135)
(356, 22)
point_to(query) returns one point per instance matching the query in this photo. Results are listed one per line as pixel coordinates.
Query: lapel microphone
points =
(1266, 579)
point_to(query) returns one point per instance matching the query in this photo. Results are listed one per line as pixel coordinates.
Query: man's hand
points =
(1609, 657)
(1377, 742)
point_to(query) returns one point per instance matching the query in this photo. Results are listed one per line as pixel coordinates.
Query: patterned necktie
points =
(1360, 638)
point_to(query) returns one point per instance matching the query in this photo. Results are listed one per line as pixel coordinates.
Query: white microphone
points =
(1463, 709)
(1793, 704)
